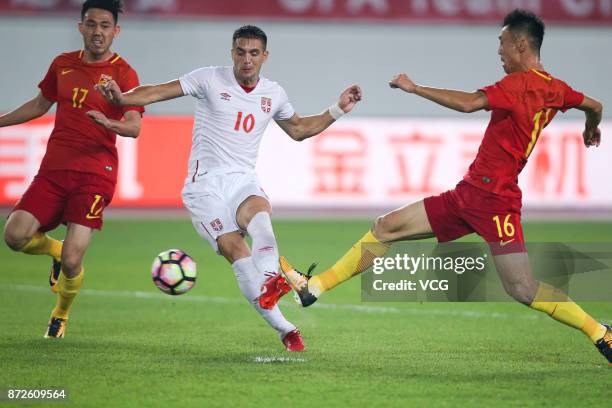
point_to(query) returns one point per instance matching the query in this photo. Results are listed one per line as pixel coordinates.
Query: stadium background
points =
(394, 148)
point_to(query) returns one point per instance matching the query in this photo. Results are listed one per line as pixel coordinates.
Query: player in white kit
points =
(222, 192)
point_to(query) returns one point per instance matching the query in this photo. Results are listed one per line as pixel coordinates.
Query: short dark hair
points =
(526, 22)
(250, 31)
(114, 6)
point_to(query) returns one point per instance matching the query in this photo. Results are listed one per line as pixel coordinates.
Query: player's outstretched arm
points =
(593, 111)
(141, 95)
(300, 128)
(32, 109)
(128, 127)
(460, 101)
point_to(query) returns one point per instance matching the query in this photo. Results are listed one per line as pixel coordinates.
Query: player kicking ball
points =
(222, 192)
(488, 200)
(78, 173)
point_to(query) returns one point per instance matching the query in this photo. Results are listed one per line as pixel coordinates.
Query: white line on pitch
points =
(325, 306)
(272, 360)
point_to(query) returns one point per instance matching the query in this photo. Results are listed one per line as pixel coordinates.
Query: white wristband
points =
(336, 111)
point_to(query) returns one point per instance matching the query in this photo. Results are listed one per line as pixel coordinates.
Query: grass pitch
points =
(130, 345)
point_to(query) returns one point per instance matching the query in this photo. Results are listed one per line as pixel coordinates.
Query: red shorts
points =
(63, 196)
(468, 209)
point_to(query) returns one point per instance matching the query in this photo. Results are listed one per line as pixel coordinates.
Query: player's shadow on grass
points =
(68, 350)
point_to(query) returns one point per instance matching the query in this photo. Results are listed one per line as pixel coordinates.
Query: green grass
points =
(201, 349)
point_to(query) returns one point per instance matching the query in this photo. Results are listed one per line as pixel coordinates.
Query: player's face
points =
(509, 51)
(248, 55)
(98, 29)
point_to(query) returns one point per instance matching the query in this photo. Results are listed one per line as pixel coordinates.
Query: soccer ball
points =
(173, 272)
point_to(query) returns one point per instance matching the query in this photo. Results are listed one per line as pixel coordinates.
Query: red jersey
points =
(522, 104)
(77, 142)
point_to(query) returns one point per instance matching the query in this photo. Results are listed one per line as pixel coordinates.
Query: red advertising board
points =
(151, 169)
(485, 11)
(357, 163)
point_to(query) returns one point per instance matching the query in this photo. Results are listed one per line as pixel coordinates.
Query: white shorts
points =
(213, 200)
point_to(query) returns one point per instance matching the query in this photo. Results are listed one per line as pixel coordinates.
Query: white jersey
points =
(230, 122)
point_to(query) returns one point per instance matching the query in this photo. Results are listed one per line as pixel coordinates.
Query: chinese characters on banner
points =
(357, 163)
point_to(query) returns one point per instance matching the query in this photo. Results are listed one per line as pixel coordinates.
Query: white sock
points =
(264, 250)
(250, 281)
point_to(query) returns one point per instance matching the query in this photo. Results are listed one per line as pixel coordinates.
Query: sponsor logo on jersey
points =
(225, 96)
(216, 225)
(266, 104)
(66, 71)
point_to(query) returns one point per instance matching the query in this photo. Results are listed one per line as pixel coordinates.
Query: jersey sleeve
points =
(196, 83)
(502, 94)
(285, 110)
(48, 86)
(130, 81)
(571, 98)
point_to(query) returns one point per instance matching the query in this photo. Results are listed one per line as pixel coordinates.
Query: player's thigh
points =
(210, 215)
(19, 229)
(45, 200)
(87, 201)
(233, 247)
(246, 197)
(405, 223)
(516, 275)
(78, 238)
(497, 221)
(251, 206)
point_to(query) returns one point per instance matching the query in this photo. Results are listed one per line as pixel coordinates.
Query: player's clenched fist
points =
(402, 82)
(349, 98)
(592, 137)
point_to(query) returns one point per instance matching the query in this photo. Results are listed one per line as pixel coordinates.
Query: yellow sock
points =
(561, 308)
(42, 244)
(355, 261)
(67, 292)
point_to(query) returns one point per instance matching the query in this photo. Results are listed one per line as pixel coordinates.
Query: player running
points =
(222, 192)
(78, 173)
(488, 200)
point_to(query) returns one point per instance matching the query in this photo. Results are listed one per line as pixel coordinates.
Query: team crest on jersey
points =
(225, 96)
(104, 79)
(266, 104)
(216, 224)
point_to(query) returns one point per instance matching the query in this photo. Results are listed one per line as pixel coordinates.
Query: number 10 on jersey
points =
(248, 123)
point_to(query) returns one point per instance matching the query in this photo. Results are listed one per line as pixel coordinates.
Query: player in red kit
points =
(78, 173)
(488, 199)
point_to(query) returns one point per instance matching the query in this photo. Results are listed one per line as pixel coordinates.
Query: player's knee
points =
(522, 292)
(232, 248)
(71, 262)
(382, 229)
(14, 239)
